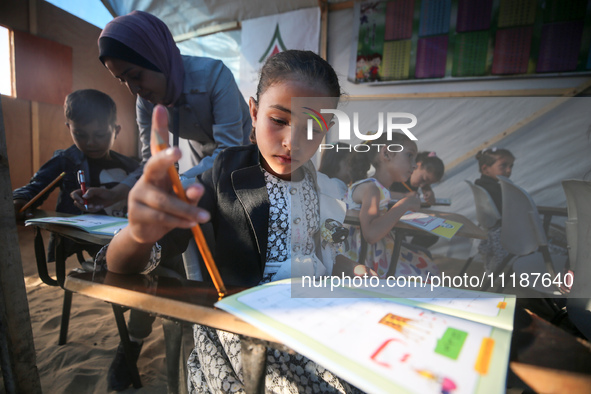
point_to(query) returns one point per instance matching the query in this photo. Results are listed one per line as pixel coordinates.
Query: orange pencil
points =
(407, 187)
(197, 233)
(42, 192)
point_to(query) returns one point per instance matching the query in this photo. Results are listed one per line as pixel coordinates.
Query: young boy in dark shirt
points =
(91, 117)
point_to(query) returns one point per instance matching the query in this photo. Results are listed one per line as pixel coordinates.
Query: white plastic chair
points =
(578, 235)
(522, 234)
(487, 214)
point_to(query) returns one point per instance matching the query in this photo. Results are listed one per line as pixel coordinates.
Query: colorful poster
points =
(559, 46)
(474, 15)
(469, 57)
(400, 40)
(435, 15)
(512, 48)
(431, 57)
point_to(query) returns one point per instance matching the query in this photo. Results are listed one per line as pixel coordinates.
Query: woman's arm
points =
(374, 225)
(229, 114)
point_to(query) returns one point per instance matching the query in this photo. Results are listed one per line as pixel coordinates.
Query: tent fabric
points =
(183, 16)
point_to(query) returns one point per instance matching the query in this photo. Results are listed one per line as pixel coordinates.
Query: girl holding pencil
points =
(247, 196)
(371, 197)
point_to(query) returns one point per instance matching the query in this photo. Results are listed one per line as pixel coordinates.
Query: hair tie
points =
(493, 149)
(432, 154)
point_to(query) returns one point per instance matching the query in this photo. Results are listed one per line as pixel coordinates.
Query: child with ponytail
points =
(394, 160)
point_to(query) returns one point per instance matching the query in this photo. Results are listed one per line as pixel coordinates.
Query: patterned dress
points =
(378, 257)
(215, 364)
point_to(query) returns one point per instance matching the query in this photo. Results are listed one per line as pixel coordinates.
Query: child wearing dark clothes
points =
(91, 118)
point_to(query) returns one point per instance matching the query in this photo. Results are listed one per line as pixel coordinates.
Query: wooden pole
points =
(570, 93)
(323, 4)
(17, 350)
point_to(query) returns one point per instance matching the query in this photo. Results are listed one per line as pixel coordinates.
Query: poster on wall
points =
(265, 36)
(415, 40)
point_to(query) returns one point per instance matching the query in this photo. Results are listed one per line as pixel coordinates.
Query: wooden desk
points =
(538, 349)
(182, 300)
(401, 229)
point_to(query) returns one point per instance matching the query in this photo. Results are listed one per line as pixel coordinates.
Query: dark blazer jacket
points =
(236, 196)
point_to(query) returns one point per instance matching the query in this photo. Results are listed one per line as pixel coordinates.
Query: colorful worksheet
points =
(385, 345)
(433, 224)
(94, 224)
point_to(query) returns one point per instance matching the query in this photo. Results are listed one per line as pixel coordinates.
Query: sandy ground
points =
(81, 365)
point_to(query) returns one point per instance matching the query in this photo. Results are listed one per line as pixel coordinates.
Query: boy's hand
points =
(18, 204)
(99, 198)
(428, 195)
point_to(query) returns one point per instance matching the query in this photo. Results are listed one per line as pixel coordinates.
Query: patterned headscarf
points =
(149, 38)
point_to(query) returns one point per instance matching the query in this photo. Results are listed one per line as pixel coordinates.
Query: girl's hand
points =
(361, 270)
(154, 209)
(411, 202)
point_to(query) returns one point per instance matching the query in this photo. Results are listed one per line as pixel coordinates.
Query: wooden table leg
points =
(173, 340)
(398, 237)
(254, 365)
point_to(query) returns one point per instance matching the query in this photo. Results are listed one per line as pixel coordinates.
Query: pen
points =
(197, 233)
(82, 183)
(42, 192)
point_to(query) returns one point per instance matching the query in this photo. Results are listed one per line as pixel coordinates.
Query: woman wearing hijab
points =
(205, 106)
(206, 110)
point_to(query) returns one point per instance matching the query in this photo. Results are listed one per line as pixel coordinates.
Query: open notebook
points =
(94, 224)
(384, 345)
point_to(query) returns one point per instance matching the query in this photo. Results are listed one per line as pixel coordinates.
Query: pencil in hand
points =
(42, 192)
(180, 192)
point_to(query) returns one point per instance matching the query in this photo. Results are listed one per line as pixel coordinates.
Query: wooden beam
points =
(205, 31)
(478, 93)
(323, 28)
(17, 350)
(343, 5)
(35, 134)
(567, 95)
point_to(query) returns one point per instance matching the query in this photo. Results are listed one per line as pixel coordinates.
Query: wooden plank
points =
(170, 298)
(476, 93)
(43, 69)
(18, 358)
(340, 6)
(567, 95)
(17, 128)
(205, 31)
(323, 28)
